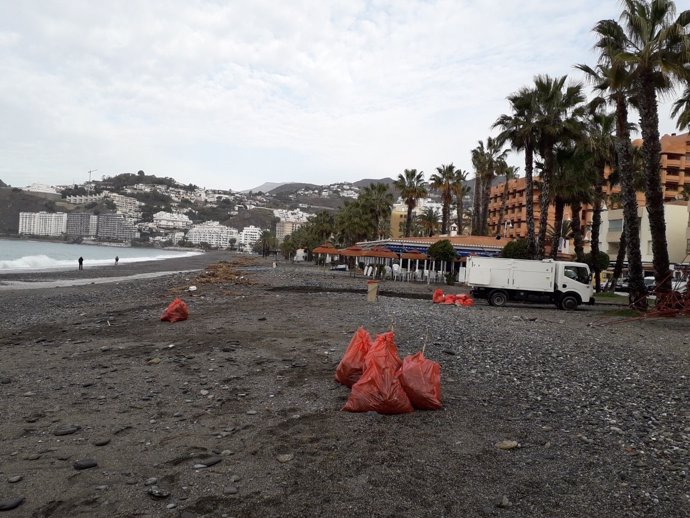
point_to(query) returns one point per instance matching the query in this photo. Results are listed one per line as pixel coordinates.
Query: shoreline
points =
(192, 262)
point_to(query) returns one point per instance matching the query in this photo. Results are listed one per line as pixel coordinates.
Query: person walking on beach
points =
(81, 263)
(116, 260)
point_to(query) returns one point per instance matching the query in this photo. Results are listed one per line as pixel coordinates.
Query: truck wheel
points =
(569, 303)
(498, 298)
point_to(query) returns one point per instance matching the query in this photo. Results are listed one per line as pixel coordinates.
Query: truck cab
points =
(573, 285)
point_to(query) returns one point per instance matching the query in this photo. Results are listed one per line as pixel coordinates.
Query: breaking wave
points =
(44, 262)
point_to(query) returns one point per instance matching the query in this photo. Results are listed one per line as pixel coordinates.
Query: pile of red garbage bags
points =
(176, 311)
(383, 383)
(456, 300)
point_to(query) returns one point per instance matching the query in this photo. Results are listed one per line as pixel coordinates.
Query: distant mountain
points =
(265, 187)
(3, 184)
(367, 182)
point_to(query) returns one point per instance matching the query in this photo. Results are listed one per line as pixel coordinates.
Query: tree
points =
(611, 78)
(657, 52)
(412, 187)
(442, 251)
(558, 121)
(572, 185)
(516, 249)
(428, 221)
(442, 180)
(486, 160)
(681, 109)
(460, 190)
(377, 200)
(519, 129)
(600, 143)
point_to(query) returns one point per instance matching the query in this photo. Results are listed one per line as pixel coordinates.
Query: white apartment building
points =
(125, 204)
(39, 187)
(213, 233)
(171, 220)
(250, 235)
(42, 223)
(677, 232)
(83, 199)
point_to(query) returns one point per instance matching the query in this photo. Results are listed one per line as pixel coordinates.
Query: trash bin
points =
(372, 291)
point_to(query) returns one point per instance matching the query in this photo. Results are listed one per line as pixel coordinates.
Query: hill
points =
(367, 182)
(291, 187)
(264, 187)
(3, 184)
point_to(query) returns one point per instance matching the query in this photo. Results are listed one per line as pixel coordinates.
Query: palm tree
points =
(572, 186)
(428, 221)
(353, 223)
(600, 144)
(378, 200)
(509, 173)
(442, 180)
(657, 51)
(681, 109)
(487, 160)
(557, 120)
(412, 187)
(519, 130)
(611, 78)
(460, 190)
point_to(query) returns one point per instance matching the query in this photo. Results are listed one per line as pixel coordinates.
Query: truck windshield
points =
(577, 273)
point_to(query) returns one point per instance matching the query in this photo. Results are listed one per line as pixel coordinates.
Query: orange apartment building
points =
(675, 176)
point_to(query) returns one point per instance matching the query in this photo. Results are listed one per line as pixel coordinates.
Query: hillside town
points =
(125, 218)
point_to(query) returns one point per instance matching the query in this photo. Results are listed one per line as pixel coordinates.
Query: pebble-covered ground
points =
(108, 412)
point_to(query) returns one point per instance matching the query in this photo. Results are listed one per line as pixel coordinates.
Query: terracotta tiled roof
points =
(476, 241)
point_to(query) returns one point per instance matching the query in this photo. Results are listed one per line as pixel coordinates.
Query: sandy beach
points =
(108, 412)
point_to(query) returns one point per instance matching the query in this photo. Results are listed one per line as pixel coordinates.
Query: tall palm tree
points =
(378, 200)
(442, 180)
(611, 78)
(600, 144)
(519, 130)
(412, 187)
(486, 160)
(558, 120)
(460, 190)
(657, 51)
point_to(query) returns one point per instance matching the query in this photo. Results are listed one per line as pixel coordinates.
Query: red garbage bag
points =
(438, 296)
(379, 389)
(177, 310)
(385, 349)
(421, 379)
(468, 302)
(351, 366)
(449, 299)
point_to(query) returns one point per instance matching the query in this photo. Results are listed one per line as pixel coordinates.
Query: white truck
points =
(565, 284)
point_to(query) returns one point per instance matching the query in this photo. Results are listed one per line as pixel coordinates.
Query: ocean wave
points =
(44, 262)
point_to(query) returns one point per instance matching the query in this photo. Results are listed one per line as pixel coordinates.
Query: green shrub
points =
(516, 249)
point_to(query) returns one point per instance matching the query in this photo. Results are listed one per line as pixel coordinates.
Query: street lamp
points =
(506, 226)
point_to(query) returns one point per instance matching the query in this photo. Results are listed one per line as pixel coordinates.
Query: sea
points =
(19, 255)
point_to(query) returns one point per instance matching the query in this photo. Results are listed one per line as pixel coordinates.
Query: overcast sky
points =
(231, 94)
